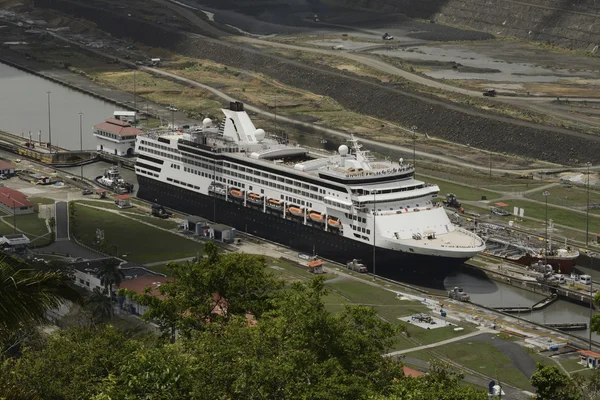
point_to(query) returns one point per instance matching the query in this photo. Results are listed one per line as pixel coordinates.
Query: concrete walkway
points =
(437, 344)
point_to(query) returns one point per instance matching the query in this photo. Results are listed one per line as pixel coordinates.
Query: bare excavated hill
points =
(396, 103)
(564, 23)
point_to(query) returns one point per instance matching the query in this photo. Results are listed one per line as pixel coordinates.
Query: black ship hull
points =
(391, 264)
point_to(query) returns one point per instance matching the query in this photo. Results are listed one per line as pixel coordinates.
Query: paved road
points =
(62, 221)
(437, 344)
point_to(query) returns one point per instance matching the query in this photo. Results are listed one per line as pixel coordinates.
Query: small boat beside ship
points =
(112, 180)
(526, 250)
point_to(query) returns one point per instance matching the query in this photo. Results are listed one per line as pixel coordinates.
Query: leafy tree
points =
(440, 383)
(102, 306)
(589, 385)
(70, 364)
(110, 274)
(551, 384)
(232, 284)
(26, 295)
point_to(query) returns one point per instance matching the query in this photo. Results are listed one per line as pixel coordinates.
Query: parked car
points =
(489, 92)
(3, 177)
(85, 192)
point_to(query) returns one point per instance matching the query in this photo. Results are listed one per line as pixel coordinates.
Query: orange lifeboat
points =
(316, 217)
(296, 211)
(334, 223)
(236, 193)
(255, 198)
(274, 203)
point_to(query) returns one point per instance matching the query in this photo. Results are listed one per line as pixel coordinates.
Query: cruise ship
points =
(341, 206)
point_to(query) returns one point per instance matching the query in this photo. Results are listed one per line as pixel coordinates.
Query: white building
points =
(116, 137)
(127, 116)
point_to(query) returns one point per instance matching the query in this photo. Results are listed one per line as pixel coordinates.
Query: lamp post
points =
(546, 194)
(587, 209)
(374, 232)
(134, 93)
(14, 217)
(414, 130)
(49, 124)
(81, 142)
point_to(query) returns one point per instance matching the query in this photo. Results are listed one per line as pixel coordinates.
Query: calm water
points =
(495, 294)
(24, 108)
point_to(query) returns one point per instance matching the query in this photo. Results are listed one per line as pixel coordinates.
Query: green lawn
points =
(362, 293)
(482, 357)
(141, 243)
(559, 216)
(40, 200)
(570, 197)
(34, 227)
(462, 192)
(162, 223)
(571, 364)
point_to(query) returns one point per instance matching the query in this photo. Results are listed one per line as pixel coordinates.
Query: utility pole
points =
(14, 217)
(81, 142)
(490, 164)
(414, 129)
(49, 124)
(134, 93)
(374, 232)
(275, 113)
(587, 209)
(546, 194)
(591, 307)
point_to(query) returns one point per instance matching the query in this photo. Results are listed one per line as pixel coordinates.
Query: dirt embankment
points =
(570, 24)
(433, 116)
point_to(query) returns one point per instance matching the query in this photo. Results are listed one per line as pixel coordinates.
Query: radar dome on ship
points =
(206, 122)
(259, 134)
(343, 150)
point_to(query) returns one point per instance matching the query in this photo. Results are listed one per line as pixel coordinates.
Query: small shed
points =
(15, 242)
(7, 168)
(100, 193)
(315, 266)
(222, 233)
(198, 225)
(123, 201)
(589, 359)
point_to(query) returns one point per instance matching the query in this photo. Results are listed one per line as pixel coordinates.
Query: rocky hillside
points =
(571, 24)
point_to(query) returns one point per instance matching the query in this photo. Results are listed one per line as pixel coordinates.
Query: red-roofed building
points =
(413, 373)
(590, 359)
(13, 201)
(7, 168)
(116, 137)
(139, 286)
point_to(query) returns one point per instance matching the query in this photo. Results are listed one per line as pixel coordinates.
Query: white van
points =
(560, 278)
(585, 279)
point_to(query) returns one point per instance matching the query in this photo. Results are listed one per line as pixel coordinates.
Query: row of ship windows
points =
(356, 218)
(256, 180)
(336, 204)
(143, 171)
(360, 229)
(362, 237)
(160, 153)
(159, 146)
(183, 183)
(359, 192)
(290, 199)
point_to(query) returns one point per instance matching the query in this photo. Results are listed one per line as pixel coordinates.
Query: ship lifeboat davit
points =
(236, 193)
(296, 211)
(274, 203)
(255, 198)
(316, 217)
(334, 223)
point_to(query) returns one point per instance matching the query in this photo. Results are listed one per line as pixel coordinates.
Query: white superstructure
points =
(350, 193)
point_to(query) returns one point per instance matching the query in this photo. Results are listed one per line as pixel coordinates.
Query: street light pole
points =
(587, 209)
(546, 194)
(134, 93)
(81, 142)
(374, 232)
(49, 124)
(591, 308)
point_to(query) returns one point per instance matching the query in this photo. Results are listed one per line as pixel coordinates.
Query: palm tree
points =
(110, 274)
(103, 306)
(26, 294)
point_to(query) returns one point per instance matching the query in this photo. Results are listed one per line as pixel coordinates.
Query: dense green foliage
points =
(552, 384)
